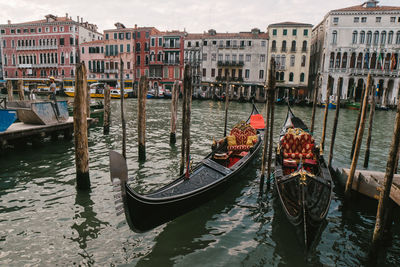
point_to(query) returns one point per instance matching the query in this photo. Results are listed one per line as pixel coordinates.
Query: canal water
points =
(44, 221)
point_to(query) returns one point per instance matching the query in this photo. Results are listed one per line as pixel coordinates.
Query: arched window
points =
(354, 39)
(332, 60)
(292, 62)
(359, 61)
(383, 37)
(398, 37)
(71, 59)
(390, 37)
(293, 46)
(344, 60)
(366, 61)
(277, 77)
(283, 46)
(291, 75)
(302, 77)
(283, 61)
(353, 60)
(376, 38)
(369, 38)
(362, 37)
(282, 76)
(334, 37)
(373, 61)
(304, 48)
(303, 61)
(273, 45)
(338, 58)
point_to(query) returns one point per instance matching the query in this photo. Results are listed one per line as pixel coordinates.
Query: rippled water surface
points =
(44, 220)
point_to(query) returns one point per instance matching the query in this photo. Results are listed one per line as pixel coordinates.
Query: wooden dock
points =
(21, 132)
(369, 183)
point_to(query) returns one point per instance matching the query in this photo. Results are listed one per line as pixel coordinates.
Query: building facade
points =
(289, 46)
(237, 58)
(43, 48)
(360, 40)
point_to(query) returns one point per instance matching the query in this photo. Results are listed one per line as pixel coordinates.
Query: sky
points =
(193, 16)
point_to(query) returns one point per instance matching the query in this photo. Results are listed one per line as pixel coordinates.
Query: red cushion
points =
(257, 121)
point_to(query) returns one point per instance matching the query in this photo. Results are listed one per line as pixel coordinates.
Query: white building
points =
(352, 42)
(241, 57)
(289, 45)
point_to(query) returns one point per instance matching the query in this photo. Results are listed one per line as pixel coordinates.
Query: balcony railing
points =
(29, 66)
(177, 46)
(230, 64)
(171, 62)
(283, 49)
(273, 49)
(111, 71)
(42, 47)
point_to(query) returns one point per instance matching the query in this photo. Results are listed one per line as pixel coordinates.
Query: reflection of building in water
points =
(351, 42)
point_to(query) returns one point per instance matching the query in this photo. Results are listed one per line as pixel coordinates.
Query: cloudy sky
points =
(194, 16)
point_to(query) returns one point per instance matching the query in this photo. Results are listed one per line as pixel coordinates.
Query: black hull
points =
(305, 197)
(146, 213)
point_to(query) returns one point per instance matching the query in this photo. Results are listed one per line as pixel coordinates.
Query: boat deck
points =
(369, 183)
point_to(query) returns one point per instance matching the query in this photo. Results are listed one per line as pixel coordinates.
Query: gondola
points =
(302, 179)
(206, 180)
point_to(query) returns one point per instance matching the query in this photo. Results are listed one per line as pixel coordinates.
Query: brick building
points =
(43, 48)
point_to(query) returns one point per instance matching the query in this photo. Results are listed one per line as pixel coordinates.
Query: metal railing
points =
(42, 47)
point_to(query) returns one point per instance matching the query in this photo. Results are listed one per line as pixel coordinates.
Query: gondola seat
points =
(297, 144)
(242, 138)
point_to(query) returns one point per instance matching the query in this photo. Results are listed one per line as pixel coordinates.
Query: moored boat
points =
(7, 117)
(302, 179)
(97, 91)
(207, 179)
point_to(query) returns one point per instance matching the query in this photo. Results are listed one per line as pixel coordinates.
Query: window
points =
(240, 57)
(356, 19)
(273, 46)
(369, 38)
(128, 48)
(127, 35)
(227, 58)
(383, 37)
(220, 57)
(293, 49)
(228, 43)
(54, 29)
(106, 36)
(284, 32)
(392, 19)
(263, 43)
(274, 32)
(115, 36)
(390, 37)
(304, 48)
(47, 29)
(378, 19)
(262, 58)
(121, 48)
(335, 20)
(212, 72)
(291, 77)
(153, 42)
(83, 50)
(248, 58)
(261, 74)
(33, 30)
(305, 32)
(213, 57)
(121, 36)
(147, 34)
(138, 35)
(248, 43)
(71, 41)
(354, 40)
(398, 37)
(205, 43)
(247, 73)
(234, 57)
(204, 56)
(376, 38)
(362, 37)
(364, 19)
(283, 46)
(303, 61)
(294, 32)
(302, 77)
(292, 61)
(61, 41)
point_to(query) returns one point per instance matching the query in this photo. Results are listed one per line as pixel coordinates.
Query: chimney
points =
(135, 26)
(9, 21)
(66, 15)
(81, 20)
(77, 19)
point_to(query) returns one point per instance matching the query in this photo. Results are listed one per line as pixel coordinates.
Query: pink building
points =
(92, 54)
(43, 48)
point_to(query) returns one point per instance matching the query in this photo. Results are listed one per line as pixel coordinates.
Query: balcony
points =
(171, 62)
(43, 47)
(30, 66)
(177, 46)
(293, 49)
(230, 64)
(111, 71)
(273, 49)
(304, 49)
(283, 49)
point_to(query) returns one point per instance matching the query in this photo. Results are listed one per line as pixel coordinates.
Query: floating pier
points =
(29, 132)
(370, 183)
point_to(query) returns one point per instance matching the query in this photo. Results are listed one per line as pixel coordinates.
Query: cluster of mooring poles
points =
(20, 90)
(269, 127)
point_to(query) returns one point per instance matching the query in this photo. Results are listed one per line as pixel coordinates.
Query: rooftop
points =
(290, 24)
(212, 34)
(371, 5)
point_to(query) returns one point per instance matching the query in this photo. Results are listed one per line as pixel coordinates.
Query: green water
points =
(44, 221)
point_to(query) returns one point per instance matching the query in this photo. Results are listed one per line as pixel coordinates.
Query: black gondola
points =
(206, 180)
(302, 179)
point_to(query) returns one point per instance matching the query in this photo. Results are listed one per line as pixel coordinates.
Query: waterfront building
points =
(240, 57)
(352, 42)
(92, 55)
(43, 48)
(289, 45)
(1, 64)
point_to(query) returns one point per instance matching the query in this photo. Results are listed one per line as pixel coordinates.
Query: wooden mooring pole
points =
(174, 112)
(328, 94)
(21, 93)
(187, 95)
(271, 129)
(143, 87)
(335, 122)
(227, 93)
(121, 76)
(350, 178)
(10, 91)
(357, 123)
(314, 107)
(81, 129)
(370, 122)
(107, 110)
(271, 84)
(384, 201)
